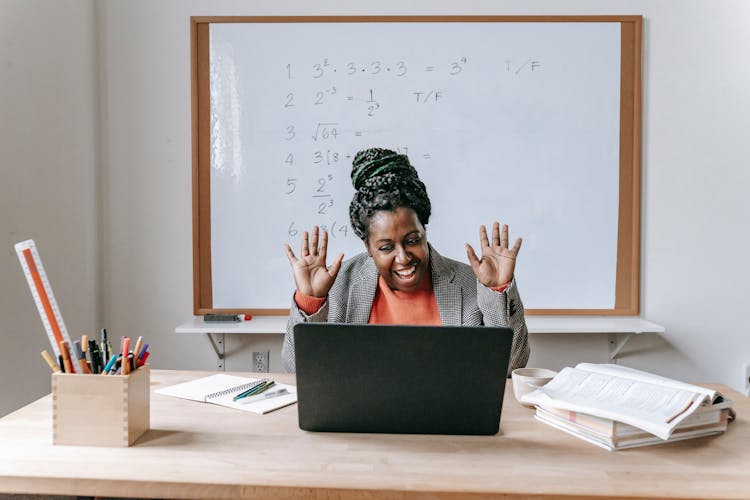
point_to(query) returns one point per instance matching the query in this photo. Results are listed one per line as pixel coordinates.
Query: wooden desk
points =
(200, 450)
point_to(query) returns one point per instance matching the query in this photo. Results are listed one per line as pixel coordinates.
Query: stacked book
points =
(616, 407)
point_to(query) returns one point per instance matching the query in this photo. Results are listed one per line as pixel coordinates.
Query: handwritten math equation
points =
(373, 71)
(316, 157)
(317, 192)
(396, 68)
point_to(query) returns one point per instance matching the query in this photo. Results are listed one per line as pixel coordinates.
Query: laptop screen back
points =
(401, 379)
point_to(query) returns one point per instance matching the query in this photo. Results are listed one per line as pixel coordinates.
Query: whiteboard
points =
(516, 122)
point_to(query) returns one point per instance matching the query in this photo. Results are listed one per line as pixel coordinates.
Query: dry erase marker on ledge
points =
(226, 318)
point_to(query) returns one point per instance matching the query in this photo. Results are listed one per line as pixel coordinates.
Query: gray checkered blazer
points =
(461, 300)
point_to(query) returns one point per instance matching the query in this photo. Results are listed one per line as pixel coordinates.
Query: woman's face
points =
(398, 245)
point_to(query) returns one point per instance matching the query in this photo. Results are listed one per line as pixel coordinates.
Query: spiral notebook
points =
(220, 389)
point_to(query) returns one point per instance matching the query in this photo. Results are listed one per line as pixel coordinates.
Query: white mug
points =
(526, 380)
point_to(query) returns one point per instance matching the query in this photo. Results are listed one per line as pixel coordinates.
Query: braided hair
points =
(385, 180)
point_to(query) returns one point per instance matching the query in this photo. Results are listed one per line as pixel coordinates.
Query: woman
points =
(401, 278)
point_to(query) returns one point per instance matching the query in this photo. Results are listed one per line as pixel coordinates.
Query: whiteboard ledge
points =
(535, 324)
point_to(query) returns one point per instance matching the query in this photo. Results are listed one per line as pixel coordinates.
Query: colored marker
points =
(142, 352)
(143, 358)
(124, 350)
(109, 365)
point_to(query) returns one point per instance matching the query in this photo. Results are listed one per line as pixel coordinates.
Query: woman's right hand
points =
(311, 274)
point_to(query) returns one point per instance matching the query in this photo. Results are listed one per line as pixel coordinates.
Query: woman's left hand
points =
(498, 262)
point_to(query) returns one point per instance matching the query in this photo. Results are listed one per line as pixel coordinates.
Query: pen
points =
(106, 351)
(51, 362)
(265, 395)
(254, 389)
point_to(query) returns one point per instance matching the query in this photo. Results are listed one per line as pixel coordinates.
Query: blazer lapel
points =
(362, 294)
(447, 294)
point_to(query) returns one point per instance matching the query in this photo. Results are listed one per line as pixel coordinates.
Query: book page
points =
(632, 373)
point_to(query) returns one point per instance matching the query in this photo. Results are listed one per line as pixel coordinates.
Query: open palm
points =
(311, 274)
(498, 262)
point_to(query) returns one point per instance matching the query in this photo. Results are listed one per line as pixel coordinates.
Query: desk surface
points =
(200, 450)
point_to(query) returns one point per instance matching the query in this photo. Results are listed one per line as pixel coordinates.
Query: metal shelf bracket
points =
(218, 345)
(616, 342)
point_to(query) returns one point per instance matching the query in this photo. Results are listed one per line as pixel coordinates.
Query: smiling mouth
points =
(406, 273)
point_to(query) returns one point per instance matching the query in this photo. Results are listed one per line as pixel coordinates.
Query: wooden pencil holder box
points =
(100, 410)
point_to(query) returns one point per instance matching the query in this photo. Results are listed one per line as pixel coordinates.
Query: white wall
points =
(48, 180)
(696, 117)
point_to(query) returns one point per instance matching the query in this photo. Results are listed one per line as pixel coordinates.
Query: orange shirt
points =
(392, 307)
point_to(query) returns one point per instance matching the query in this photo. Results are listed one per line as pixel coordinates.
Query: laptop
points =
(401, 379)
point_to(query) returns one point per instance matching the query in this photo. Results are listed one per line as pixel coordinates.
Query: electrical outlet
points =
(260, 361)
(746, 370)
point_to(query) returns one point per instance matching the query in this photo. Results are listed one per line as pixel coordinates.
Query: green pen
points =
(251, 390)
(254, 390)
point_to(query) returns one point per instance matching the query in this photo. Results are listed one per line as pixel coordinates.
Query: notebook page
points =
(200, 389)
(260, 406)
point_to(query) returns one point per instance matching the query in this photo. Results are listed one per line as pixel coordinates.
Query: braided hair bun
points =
(385, 180)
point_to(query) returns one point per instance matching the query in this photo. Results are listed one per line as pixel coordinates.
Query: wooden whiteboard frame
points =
(627, 281)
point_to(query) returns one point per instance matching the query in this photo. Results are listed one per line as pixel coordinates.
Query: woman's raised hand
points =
(498, 262)
(311, 274)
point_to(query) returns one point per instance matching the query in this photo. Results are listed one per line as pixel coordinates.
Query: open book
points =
(220, 389)
(650, 402)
